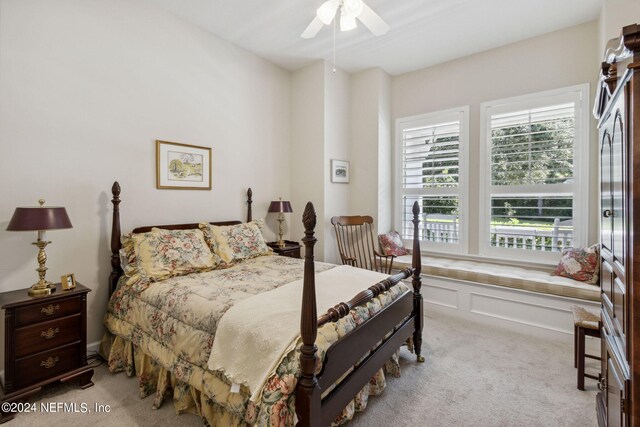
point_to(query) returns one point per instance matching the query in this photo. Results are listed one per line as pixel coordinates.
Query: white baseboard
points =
(533, 313)
(93, 347)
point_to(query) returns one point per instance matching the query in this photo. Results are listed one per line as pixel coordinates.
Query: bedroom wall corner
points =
(371, 147)
(307, 149)
(337, 145)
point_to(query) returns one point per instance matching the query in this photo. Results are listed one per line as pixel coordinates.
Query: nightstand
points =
(291, 249)
(45, 341)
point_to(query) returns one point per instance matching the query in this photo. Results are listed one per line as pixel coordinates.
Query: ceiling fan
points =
(349, 11)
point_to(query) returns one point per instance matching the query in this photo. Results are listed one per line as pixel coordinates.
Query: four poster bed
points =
(163, 330)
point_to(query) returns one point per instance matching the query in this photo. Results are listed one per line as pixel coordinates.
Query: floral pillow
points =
(581, 264)
(391, 244)
(130, 267)
(160, 254)
(236, 242)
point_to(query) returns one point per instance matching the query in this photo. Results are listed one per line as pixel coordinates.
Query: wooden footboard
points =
(376, 340)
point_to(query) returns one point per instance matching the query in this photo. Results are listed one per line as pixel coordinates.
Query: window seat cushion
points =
(534, 280)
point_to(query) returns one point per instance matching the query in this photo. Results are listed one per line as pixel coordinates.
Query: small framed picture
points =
(68, 281)
(340, 171)
(182, 166)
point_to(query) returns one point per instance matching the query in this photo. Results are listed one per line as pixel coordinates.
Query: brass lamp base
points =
(43, 287)
(281, 243)
(38, 290)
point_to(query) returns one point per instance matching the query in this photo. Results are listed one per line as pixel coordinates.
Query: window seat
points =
(534, 280)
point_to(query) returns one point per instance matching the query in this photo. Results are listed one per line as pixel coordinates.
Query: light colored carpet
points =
(474, 376)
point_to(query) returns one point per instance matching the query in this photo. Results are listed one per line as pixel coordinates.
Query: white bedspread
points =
(254, 335)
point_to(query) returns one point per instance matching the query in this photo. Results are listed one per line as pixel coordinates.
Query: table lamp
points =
(280, 207)
(40, 219)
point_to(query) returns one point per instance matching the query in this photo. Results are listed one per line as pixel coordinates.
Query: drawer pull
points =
(50, 362)
(50, 309)
(49, 333)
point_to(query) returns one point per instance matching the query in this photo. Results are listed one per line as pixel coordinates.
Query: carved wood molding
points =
(249, 202)
(631, 38)
(617, 50)
(116, 268)
(341, 310)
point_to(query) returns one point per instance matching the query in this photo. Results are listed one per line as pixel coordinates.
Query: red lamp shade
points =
(281, 206)
(39, 218)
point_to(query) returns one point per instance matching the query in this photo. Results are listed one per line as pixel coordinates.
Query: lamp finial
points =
(41, 201)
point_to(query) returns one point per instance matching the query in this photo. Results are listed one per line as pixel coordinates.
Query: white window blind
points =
(533, 146)
(532, 183)
(430, 167)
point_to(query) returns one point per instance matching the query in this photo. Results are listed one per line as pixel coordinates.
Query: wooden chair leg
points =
(575, 346)
(581, 358)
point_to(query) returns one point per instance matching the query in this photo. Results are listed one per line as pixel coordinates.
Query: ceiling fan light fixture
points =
(352, 8)
(347, 23)
(327, 11)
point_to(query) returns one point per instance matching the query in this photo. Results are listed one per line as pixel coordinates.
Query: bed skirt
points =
(205, 399)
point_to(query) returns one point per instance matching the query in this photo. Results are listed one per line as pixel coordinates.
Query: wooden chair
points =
(357, 246)
(585, 323)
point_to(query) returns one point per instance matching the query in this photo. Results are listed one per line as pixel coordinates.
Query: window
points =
(534, 182)
(431, 169)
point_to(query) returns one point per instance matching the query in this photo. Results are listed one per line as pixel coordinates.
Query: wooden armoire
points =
(617, 108)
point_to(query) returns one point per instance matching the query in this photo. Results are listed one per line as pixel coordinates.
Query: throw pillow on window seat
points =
(391, 244)
(582, 264)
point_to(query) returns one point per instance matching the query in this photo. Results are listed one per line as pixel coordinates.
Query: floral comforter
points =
(164, 332)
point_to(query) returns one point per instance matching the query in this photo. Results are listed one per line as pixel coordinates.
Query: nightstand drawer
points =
(41, 336)
(47, 311)
(47, 364)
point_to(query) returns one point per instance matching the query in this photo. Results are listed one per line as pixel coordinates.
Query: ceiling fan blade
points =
(313, 29)
(327, 12)
(373, 22)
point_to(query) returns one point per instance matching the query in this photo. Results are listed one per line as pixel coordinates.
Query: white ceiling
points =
(423, 32)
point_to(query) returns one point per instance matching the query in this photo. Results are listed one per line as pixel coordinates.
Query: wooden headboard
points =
(116, 232)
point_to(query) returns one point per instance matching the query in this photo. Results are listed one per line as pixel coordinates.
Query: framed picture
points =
(340, 171)
(68, 281)
(182, 166)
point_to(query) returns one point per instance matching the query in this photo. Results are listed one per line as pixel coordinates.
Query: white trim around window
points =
(492, 190)
(431, 165)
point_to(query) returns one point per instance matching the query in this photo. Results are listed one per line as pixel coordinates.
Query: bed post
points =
(418, 308)
(116, 269)
(249, 202)
(308, 403)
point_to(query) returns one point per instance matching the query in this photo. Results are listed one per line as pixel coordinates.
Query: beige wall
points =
(86, 87)
(554, 60)
(307, 149)
(337, 146)
(614, 15)
(371, 145)
(320, 120)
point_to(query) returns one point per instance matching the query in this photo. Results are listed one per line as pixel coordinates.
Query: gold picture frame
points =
(182, 166)
(68, 281)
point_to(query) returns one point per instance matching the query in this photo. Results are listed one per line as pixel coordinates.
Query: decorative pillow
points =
(130, 267)
(581, 264)
(124, 261)
(391, 244)
(160, 254)
(236, 242)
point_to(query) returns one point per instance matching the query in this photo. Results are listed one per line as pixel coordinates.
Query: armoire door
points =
(613, 280)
